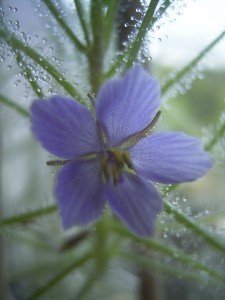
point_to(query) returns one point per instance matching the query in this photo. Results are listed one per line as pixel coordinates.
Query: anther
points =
(57, 162)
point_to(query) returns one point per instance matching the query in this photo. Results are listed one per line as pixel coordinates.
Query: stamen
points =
(127, 159)
(118, 158)
(57, 162)
(114, 163)
(136, 137)
(88, 156)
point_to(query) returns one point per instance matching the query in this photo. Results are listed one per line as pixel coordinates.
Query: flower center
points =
(114, 163)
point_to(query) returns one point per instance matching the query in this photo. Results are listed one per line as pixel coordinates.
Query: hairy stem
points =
(80, 13)
(169, 251)
(29, 77)
(59, 18)
(197, 229)
(96, 53)
(17, 44)
(129, 56)
(192, 64)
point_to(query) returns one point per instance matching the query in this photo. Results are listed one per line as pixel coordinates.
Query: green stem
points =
(191, 224)
(145, 26)
(163, 8)
(17, 44)
(96, 53)
(61, 275)
(169, 251)
(101, 244)
(29, 76)
(59, 18)
(80, 13)
(28, 216)
(132, 51)
(109, 22)
(6, 101)
(190, 65)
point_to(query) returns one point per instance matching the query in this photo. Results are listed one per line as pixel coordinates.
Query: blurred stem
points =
(80, 13)
(101, 244)
(59, 18)
(60, 276)
(29, 76)
(28, 216)
(7, 102)
(88, 285)
(219, 133)
(96, 53)
(192, 64)
(17, 44)
(170, 252)
(154, 265)
(96, 274)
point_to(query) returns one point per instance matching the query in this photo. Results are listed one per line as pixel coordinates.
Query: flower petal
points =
(79, 193)
(64, 127)
(136, 202)
(127, 105)
(170, 157)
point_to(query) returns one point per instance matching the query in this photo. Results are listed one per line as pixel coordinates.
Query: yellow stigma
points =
(113, 163)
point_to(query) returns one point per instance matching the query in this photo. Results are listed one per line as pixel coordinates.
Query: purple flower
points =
(109, 155)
